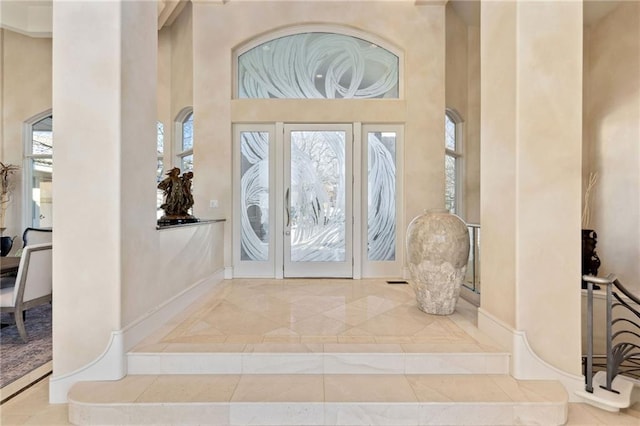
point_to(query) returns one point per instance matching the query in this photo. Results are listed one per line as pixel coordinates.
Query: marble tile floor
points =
(316, 315)
(311, 316)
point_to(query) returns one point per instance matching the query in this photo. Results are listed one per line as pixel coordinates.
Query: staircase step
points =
(319, 359)
(327, 399)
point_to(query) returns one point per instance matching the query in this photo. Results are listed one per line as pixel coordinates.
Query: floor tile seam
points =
(303, 353)
(417, 402)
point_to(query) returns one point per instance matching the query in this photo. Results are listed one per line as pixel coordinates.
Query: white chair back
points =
(34, 279)
(32, 236)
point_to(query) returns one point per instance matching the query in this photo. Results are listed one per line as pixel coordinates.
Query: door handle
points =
(287, 207)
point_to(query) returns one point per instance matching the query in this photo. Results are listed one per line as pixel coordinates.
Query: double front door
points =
(312, 200)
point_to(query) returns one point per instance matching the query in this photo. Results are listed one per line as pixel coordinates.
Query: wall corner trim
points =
(112, 363)
(525, 363)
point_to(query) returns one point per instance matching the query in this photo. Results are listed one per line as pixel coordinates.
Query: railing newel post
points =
(589, 366)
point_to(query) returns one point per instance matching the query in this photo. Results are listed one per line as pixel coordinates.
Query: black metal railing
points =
(622, 340)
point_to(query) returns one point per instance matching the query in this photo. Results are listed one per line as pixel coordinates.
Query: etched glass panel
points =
(381, 204)
(318, 65)
(254, 195)
(317, 203)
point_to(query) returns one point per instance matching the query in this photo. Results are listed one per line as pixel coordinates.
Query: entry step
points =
(319, 399)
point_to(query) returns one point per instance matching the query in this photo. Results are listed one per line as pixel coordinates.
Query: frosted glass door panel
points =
(254, 196)
(317, 212)
(381, 197)
(317, 198)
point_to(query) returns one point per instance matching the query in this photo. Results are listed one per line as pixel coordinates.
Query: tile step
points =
(318, 400)
(317, 363)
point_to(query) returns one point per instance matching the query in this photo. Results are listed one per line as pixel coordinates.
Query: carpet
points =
(18, 358)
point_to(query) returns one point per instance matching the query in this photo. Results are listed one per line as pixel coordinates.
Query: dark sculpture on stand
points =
(590, 259)
(177, 198)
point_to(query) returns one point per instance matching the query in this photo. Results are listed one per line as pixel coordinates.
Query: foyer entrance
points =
(315, 200)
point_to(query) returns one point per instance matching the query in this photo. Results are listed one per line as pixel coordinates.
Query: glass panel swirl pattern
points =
(318, 196)
(318, 66)
(254, 196)
(381, 204)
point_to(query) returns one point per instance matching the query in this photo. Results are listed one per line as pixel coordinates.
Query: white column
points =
(531, 176)
(104, 79)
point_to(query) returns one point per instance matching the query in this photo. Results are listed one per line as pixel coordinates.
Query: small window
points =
(39, 173)
(453, 162)
(185, 141)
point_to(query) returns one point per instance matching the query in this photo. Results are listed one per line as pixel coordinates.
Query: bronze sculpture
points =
(178, 199)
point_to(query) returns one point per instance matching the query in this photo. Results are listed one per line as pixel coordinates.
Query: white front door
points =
(318, 183)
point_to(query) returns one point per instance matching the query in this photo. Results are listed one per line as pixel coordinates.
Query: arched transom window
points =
(318, 65)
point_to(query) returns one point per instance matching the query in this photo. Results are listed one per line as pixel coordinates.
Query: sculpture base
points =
(176, 220)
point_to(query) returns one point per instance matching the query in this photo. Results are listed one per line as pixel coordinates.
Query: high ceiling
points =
(33, 17)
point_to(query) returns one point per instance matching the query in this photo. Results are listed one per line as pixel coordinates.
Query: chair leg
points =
(20, 324)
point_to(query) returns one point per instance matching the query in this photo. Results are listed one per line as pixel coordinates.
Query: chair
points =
(32, 236)
(31, 287)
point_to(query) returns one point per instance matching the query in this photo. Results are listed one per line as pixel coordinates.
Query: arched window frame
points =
(457, 154)
(29, 158)
(181, 158)
(319, 28)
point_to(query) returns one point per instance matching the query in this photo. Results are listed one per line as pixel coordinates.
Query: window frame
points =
(180, 153)
(458, 155)
(27, 166)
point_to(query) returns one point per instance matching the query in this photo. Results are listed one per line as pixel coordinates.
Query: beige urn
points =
(437, 246)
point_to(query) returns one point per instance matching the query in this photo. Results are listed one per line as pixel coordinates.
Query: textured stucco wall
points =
(612, 127)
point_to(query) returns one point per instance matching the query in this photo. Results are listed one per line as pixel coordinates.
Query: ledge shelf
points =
(184, 225)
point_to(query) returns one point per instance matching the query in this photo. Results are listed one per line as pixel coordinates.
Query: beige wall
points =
(164, 86)
(472, 131)
(463, 96)
(175, 78)
(498, 157)
(417, 30)
(612, 115)
(26, 82)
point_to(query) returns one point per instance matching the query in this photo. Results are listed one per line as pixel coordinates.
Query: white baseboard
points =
(228, 272)
(111, 364)
(525, 363)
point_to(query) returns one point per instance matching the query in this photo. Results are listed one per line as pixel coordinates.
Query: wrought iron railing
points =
(472, 278)
(622, 340)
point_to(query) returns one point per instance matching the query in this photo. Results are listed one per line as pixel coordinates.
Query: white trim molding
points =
(112, 363)
(525, 363)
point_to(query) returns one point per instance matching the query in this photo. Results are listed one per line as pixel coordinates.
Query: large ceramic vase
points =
(437, 252)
